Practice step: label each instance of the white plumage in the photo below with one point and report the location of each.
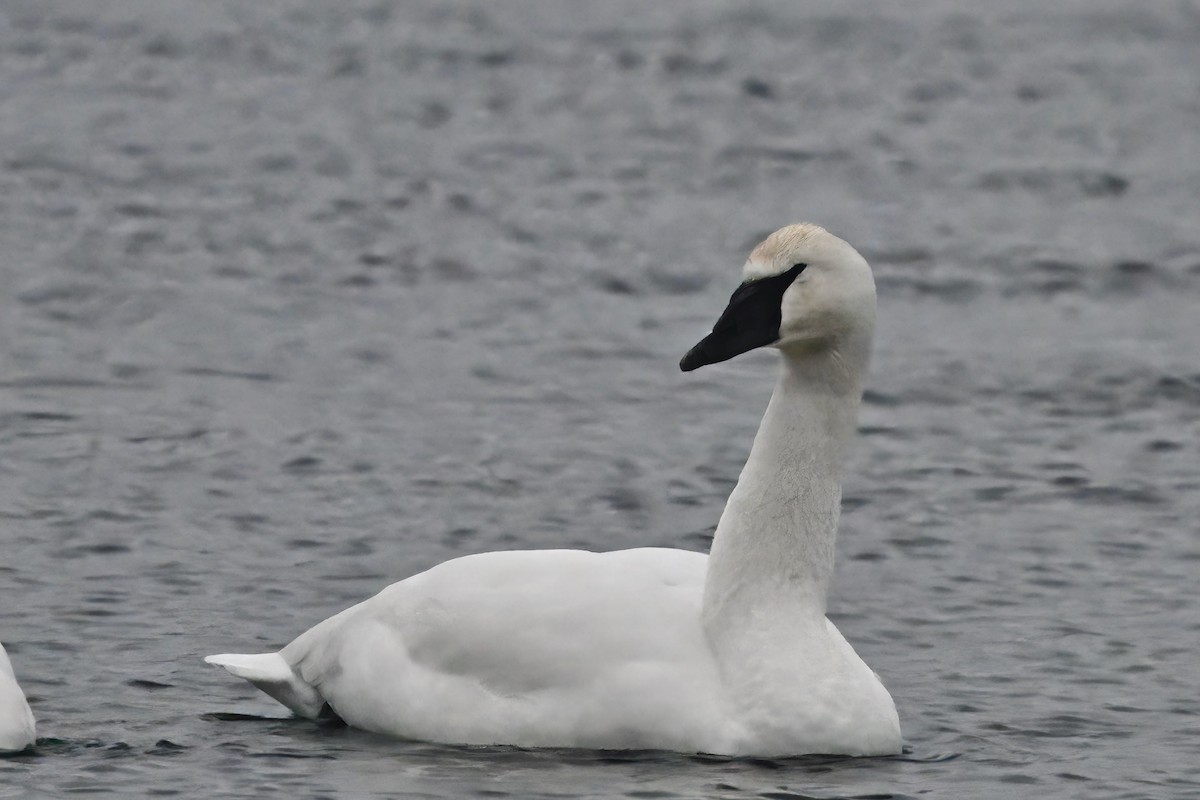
(16, 720)
(728, 653)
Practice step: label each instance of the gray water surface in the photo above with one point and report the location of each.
(300, 298)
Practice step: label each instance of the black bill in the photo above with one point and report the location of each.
(750, 320)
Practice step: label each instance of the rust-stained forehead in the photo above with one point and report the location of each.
(785, 240)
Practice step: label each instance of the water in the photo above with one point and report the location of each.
(301, 298)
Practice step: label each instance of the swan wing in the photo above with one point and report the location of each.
(561, 647)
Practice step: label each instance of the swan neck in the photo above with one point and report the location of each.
(773, 553)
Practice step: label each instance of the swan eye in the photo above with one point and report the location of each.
(799, 268)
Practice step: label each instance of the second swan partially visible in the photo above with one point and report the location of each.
(729, 653)
(17, 730)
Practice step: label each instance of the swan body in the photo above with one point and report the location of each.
(17, 730)
(729, 653)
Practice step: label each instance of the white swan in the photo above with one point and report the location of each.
(728, 653)
(16, 720)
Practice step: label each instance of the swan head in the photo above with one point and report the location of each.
(803, 290)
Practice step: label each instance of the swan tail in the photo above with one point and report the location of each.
(271, 673)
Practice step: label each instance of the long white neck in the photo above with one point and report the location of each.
(772, 557)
